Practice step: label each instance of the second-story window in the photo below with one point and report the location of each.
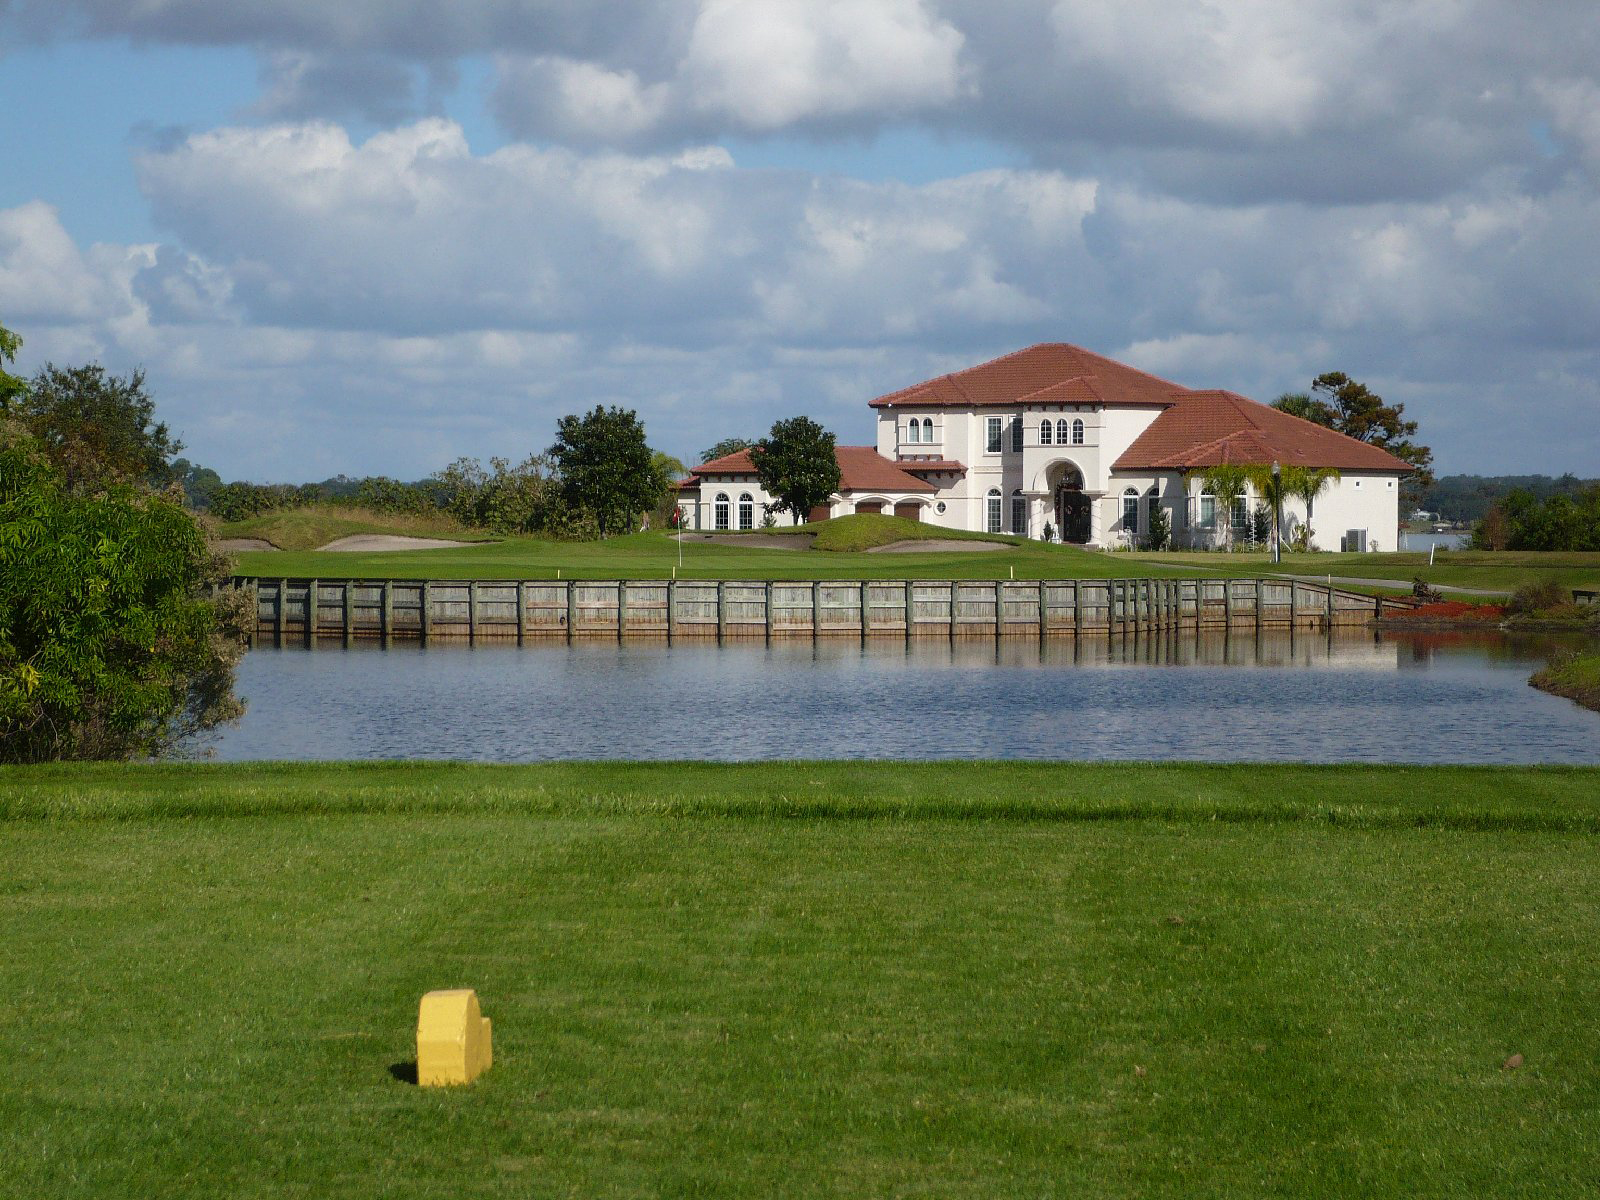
(1077, 433)
(927, 429)
(1044, 432)
(992, 430)
(914, 431)
(1016, 435)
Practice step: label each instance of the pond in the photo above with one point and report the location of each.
(1350, 696)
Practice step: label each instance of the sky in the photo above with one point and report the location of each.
(373, 236)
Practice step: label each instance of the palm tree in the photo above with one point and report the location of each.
(1272, 484)
(1307, 483)
(1226, 483)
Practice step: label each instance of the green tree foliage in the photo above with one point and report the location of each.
(11, 387)
(1159, 536)
(796, 463)
(236, 501)
(504, 498)
(606, 468)
(1521, 521)
(96, 427)
(109, 647)
(197, 482)
(1306, 484)
(1226, 483)
(1355, 410)
(1469, 497)
(726, 446)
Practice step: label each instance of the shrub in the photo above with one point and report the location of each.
(109, 647)
(1539, 596)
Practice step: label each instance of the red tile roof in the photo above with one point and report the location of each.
(1212, 428)
(861, 469)
(1049, 373)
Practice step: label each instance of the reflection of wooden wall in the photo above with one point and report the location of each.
(737, 608)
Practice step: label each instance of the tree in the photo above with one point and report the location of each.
(1227, 484)
(1355, 410)
(1307, 483)
(797, 464)
(109, 646)
(1159, 535)
(97, 428)
(11, 387)
(726, 446)
(198, 483)
(606, 467)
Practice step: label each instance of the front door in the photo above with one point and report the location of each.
(1072, 515)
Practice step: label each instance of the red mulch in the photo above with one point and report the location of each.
(1455, 610)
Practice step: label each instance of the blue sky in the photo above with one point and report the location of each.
(367, 238)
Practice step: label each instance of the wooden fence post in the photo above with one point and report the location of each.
(311, 612)
(622, 606)
(385, 611)
(349, 610)
(866, 611)
(911, 609)
(522, 612)
(722, 609)
(472, 611)
(767, 608)
(427, 610)
(816, 609)
(277, 610)
(672, 609)
(572, 610)
(999, 609)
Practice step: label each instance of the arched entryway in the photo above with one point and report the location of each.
(1073, 508)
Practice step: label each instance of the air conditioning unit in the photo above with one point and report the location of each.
(1354, 542)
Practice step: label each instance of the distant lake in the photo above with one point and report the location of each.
(1314, 698)
(1444, 541)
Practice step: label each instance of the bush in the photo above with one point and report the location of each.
(1160, 533)
(1539, 596)
(109, 647)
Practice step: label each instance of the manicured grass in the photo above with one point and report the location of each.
(1498, 570)
(318, 524)
(655, 556)
(803, 979)
(1577, 678)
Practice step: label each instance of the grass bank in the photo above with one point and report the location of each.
(1012, 979)
(301, 529)
(1577, 678)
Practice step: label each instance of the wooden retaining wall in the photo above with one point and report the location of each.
(517, 610)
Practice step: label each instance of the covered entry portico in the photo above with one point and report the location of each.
(1065, 504)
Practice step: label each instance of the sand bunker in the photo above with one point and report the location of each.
(368, 542)
(937, 545)
(234, 545)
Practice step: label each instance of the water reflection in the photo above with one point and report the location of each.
(1353, 695)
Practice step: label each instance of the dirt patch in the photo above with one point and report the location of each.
(234, 545)
(368, 542)
(937, 545)
(765, 541)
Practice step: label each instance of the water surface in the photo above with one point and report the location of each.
(1353, 696)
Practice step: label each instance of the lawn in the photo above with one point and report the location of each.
(841, 552)
(803, 980)
(306, 528)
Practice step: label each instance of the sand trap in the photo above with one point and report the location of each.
(937, 545)
(765, 541)
(368, 542)
(234, 545)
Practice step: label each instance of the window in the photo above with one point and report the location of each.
(992, 436)
(927, 429)
(1241, 516)
(1130, 510)
(914, 431)
(1016, 435)
(993, 523)
(721, 510)
(1019, 512)
(1208, 511)
(1062, 434)
(1044, 433)
(939, 507)
(1077, 432)
(747, 512)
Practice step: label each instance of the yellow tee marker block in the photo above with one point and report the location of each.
(453, 1038)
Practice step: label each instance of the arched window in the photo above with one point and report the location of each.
(720, 508)
(1077, 433)
(1019, 512)
(747, 512)
(914, 431)
(927, 429)
(1130, 510)
(993, 522)
(1062, 434)
(1044, 432)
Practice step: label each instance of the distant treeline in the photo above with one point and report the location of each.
(1468, 498)
(1523, 521)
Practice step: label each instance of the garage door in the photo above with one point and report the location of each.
(912, 511)
(820, 513)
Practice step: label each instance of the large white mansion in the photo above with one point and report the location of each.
(1055, 441)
